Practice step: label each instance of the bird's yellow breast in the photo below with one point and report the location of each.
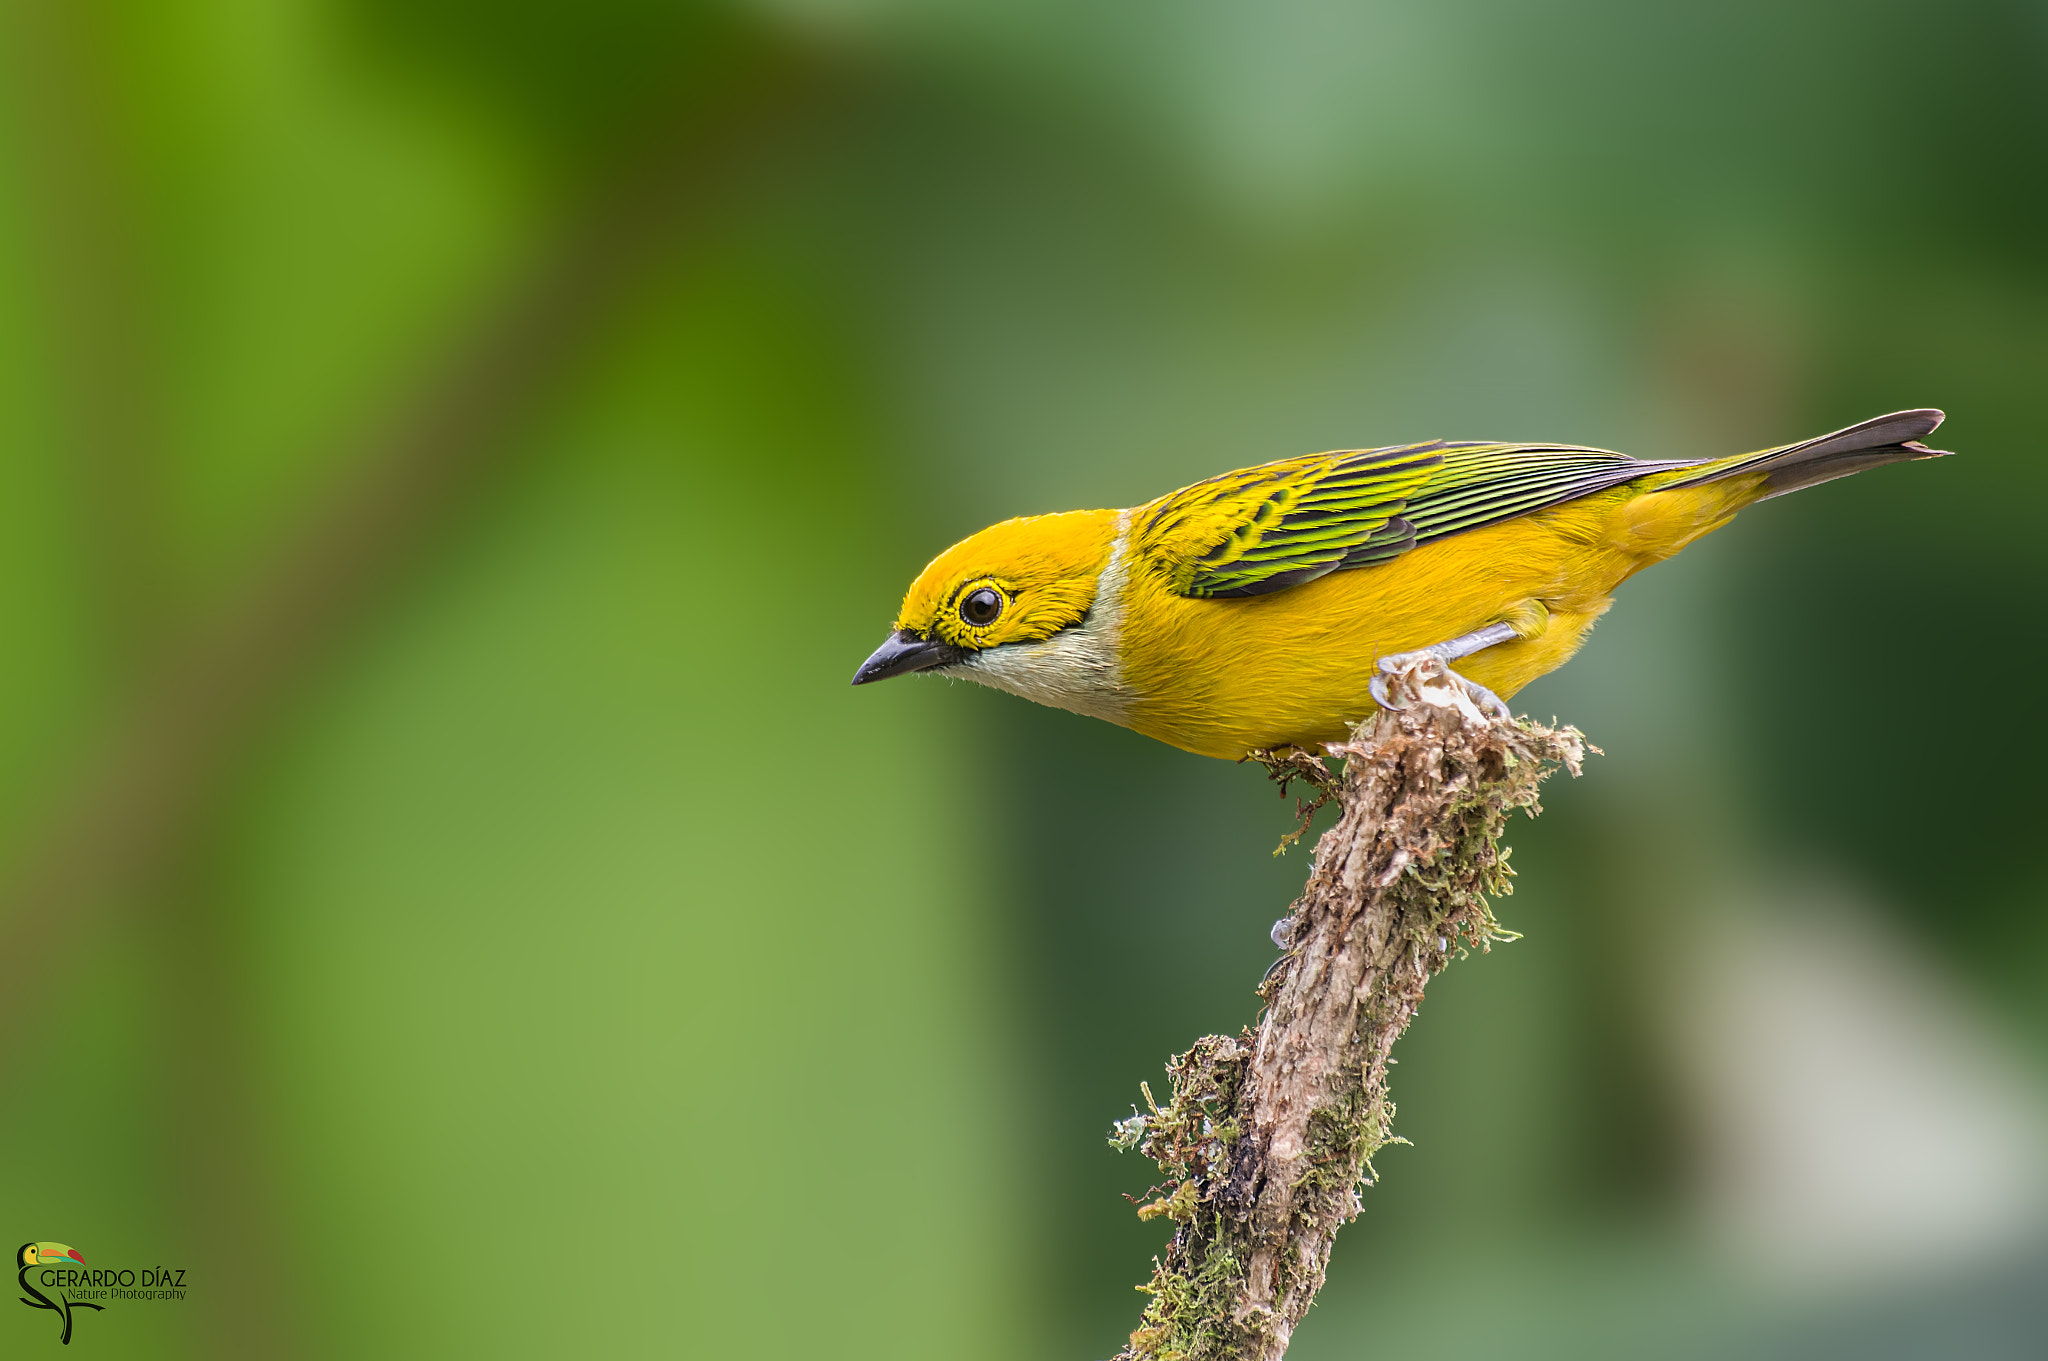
(1224, 677)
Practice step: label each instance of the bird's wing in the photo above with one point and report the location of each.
(1282, 524)
(1483, 484)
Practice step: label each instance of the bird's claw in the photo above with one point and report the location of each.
(1378, 686)
(1490, 704)
(1484, 700)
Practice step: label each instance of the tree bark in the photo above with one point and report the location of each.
(1268, 1135)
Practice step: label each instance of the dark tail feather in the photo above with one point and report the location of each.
(1888, 439)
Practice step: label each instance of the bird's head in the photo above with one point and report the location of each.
(1013, 584)
(41, 1254)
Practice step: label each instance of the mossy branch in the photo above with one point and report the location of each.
(1268, 1136)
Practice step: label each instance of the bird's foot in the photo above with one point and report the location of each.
(1428, 676)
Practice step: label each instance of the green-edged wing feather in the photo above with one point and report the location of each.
(1281, 524)
(1483, 484)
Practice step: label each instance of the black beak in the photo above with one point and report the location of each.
(903, 653)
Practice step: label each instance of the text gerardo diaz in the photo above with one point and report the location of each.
(109, 1283)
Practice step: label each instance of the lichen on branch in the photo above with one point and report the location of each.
(1268, 1135)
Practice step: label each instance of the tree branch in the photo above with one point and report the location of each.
(1268, 1135)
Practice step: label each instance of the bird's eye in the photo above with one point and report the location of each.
(981, 608)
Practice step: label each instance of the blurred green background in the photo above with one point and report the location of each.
(453, 455)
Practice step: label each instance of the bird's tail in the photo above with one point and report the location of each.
(1888, 439)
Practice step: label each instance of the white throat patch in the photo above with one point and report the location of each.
(1077, 667)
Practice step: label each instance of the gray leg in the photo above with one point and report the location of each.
(1466, 644)
(1447, 652)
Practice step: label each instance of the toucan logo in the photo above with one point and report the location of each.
(32, 1255)
(55, 1277)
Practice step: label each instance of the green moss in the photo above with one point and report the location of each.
(1191, 1139)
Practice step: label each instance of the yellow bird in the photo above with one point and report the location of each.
(1256, 611)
